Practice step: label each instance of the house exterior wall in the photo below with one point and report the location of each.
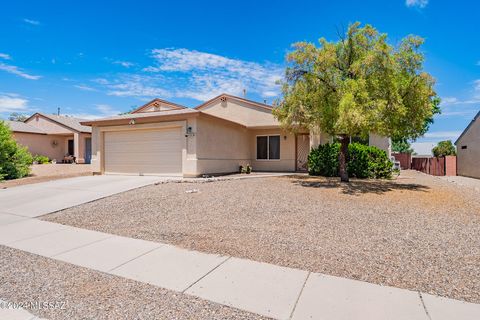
(221, 146)
(468, 159)
(241, 112)
(41, 144)
(381, 142)
(287, 151)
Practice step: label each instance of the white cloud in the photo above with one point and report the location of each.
(32, 22)
(205, 75)
(17, 71)
(104, 110)
(423, 148)
(84, 87)
(183, 73)
(12, 103)
(443, 135)
(135, 86)
(126, 64)
(416, 3)
(5, 56)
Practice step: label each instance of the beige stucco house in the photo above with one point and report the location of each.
(218, 136)
(468, 150)
(54, 136)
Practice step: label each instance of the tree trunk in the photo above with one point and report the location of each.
(342, 158)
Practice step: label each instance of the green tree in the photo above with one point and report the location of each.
(15, 116)
(444, 148)
(15, 160)
(401, 146)
(357, 86)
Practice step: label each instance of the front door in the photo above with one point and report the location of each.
(303, 149)
(88, 150)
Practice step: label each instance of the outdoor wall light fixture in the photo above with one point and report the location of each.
(284, 137)
(189, 132)
(132, 122)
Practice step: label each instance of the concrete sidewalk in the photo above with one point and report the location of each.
(41, 198)
(265, 289)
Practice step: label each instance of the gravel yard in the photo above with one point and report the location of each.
(48, 172)
(418, 232)
(89, 294)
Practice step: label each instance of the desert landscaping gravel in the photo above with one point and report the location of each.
(81, 293)
(417, 232)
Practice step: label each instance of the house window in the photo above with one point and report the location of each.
(464, 147)
(268, 147)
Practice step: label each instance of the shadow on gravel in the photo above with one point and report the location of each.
(357, 187)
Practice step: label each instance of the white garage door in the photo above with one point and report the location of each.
(149, 152)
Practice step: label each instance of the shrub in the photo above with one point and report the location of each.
(15, 160)
(323, 161)
(41, 159)
(363, 161)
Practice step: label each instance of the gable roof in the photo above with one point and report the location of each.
(141, 115)
(18, 126)
(157, 101)
(224, 95)
(468, 127)
(69, 122)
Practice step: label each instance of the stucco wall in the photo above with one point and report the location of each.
(380, 142)
(41, 144)
(287, 151)
(241, 112)
(221, 146)
(468, 160)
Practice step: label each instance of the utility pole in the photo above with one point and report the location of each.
(58, 111)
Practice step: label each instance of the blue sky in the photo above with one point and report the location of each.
(98, 58)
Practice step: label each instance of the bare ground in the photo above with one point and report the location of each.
(417, 232)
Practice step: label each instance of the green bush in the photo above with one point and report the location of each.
(15, 160)
(363, 161)
(41, 159)
(323, 161)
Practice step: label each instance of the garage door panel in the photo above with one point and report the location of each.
(144, 151)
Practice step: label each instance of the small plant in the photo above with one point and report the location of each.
(240, 169)
(39, 159)
(247, 169)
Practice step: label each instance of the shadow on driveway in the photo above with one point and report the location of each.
(357, 186)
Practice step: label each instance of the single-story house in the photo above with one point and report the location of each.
(54, 136)
(218, 136)
(468, 150)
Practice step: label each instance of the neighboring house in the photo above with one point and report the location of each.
(163, 138)
(468, 150)
(54, 136)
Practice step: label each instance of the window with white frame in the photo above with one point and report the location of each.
(268, 147)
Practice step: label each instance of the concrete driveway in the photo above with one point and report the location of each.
(41, 198)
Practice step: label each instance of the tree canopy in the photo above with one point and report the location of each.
(401, 146)
(15, 116)
(444, 148)
(358, 85)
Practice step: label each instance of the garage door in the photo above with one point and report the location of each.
(149, 152)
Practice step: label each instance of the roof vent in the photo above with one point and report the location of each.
(223, 99)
